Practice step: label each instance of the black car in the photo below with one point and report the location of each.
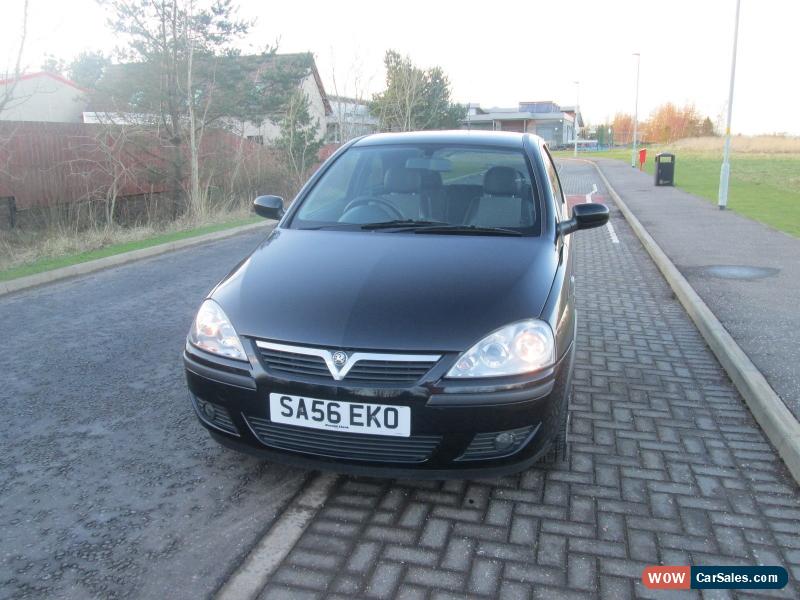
(411, 314)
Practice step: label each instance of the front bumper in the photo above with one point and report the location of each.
(453, 424)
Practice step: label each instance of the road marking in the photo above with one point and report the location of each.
(612, 233)
(252, 575)
(589, 195)
(609, 226)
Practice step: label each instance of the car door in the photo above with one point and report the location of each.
(566, 303)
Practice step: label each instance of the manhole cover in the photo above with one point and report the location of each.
(737, 271)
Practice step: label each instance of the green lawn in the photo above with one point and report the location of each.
(764, 187)
(47, 264)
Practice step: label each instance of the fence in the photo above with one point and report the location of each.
(48, 168)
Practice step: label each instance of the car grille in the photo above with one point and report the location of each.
(295, 364)
(351, 446)
(396, 370)
(384, 370)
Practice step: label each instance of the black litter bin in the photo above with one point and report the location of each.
(665, 169)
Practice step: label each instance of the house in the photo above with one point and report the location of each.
(319, 106)
(44, 97)
(117, 98)
(349, 118)
(555, 124)
(61, 145)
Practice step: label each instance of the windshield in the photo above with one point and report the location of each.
(406, 185)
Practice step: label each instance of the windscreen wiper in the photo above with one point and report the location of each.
(468, 230)
(402, 224)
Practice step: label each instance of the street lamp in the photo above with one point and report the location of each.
(577, 104)
(635, 110)
(725, 171)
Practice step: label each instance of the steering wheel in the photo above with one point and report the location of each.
(364, 200)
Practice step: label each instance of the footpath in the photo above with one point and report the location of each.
(746, 272)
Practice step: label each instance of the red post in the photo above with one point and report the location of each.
(642, 158)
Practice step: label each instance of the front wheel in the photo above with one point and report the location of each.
(559, 449)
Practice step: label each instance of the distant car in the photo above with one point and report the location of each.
(412, 313)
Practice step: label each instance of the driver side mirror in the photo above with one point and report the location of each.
(269, 207)
(584, 216)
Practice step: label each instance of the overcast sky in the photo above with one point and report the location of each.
(498, 54)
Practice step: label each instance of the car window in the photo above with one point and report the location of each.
(455, 185)
(336, 186)
(552, 175)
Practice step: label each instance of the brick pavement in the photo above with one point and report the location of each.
(666, 466)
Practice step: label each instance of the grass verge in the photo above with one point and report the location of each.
(763, 186)
(56, 262)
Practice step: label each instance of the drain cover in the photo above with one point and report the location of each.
(737, 271)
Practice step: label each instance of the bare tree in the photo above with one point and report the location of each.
(399, 107)
(415, 98)
(7, 92)
(196, 198)
(351, 108)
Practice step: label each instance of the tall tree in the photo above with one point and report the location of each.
(415, 98)
(52, 64)
(87, 68)
(185, 74)
(299, 140)
(622, 128)
(7, 90)
(669, 122)
(707, 128)
(602, 135)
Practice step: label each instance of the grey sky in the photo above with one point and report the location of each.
(499, 54)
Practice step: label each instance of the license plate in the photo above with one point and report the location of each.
(333, 415)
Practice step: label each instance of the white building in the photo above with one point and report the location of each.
(44, 97)
(556, 125)
(112, 104)
(349, 118)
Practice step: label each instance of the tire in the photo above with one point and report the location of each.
(559, 449)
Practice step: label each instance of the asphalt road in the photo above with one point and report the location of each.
(109, 488)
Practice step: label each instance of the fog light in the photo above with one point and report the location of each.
(504, 441)
(208, 410)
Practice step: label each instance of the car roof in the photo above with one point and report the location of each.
(506, 139)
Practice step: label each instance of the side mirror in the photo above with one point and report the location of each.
(584, 216)
(269, 207)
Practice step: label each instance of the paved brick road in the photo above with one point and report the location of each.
(667, 466)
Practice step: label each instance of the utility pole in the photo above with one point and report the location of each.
(577, 105)
(725, 171)
(636, 110)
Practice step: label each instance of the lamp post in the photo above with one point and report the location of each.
(635, 110)
(577, 104)
(725, 171)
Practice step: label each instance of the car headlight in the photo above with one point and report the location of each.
(515, 349)
(213, 332)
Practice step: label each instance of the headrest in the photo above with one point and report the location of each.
(501, 181)
(401, 181)
(431, 180)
